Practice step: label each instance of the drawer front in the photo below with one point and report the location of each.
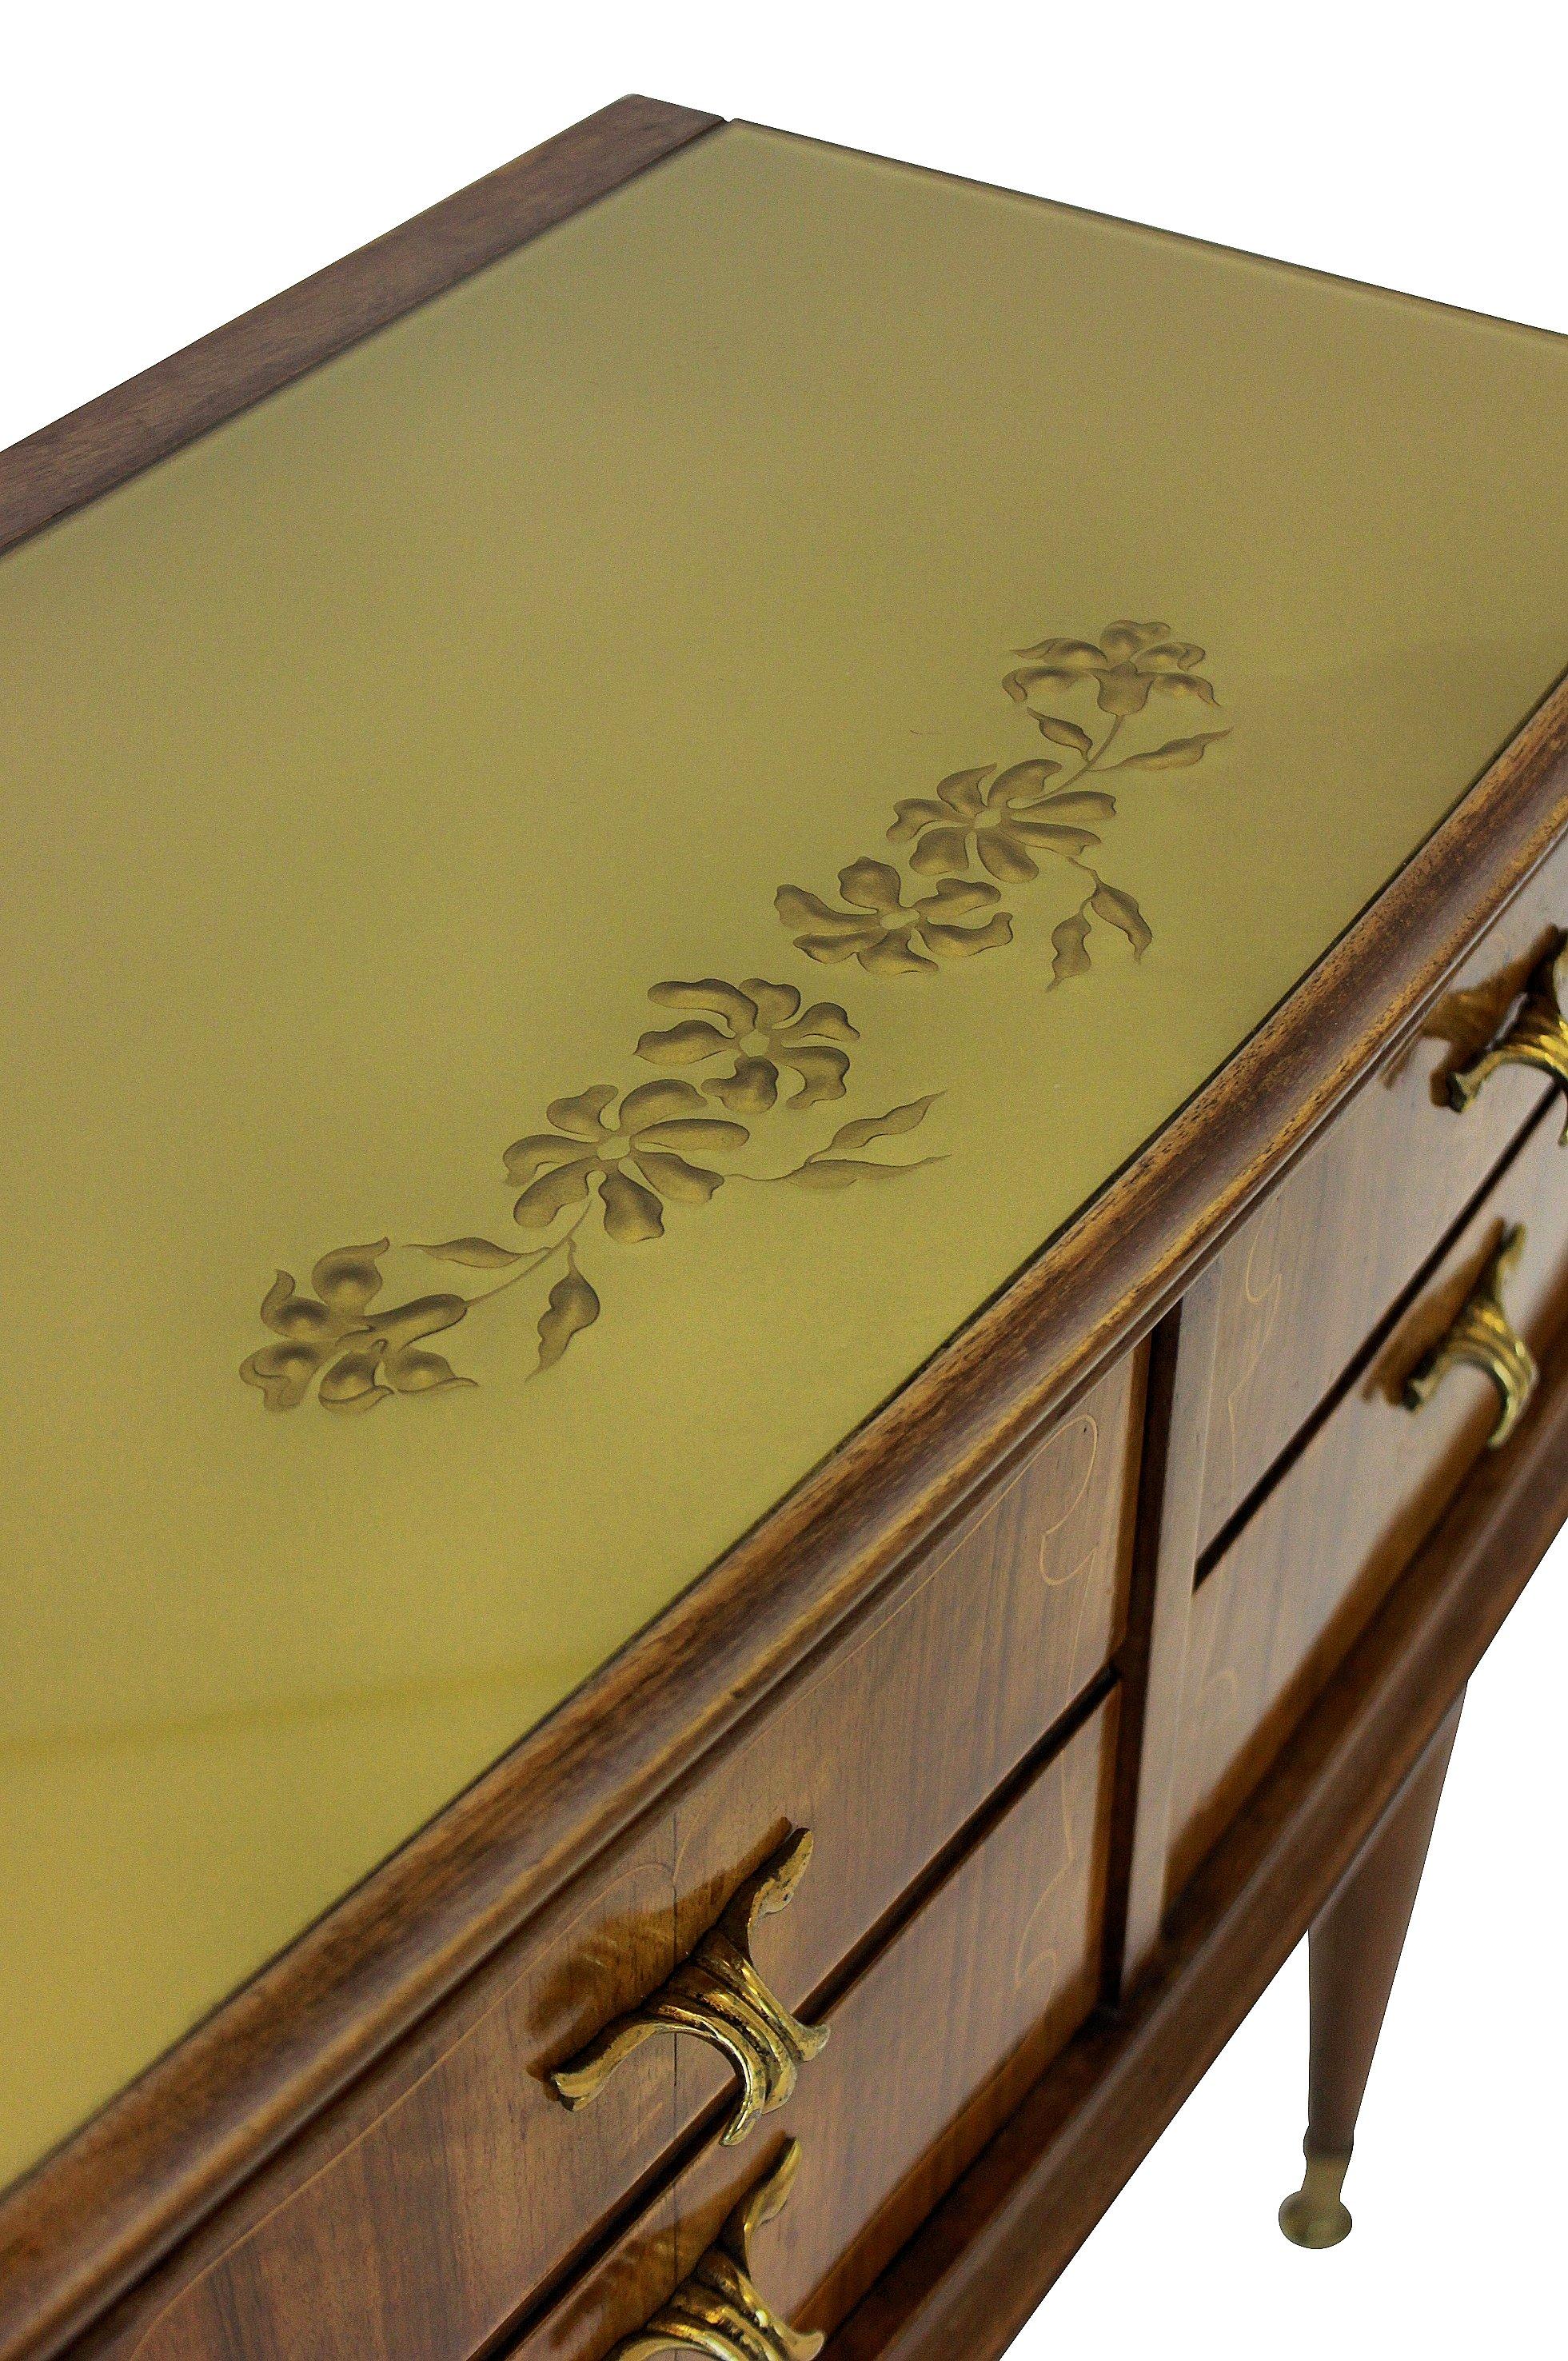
(1307, 1278)
(931, 2048)
(450, 2188)
(1306, 1572)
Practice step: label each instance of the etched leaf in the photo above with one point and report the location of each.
(282, 1373)
(953, 897)
(653, 1103)
(1123, 690)
(1070, 655)
(683, 1044)
(870, 885)
(751, 1088)
(1064, 733)
(1119, 910)
(831, 948)
(632, 1214)
(348, 1279)
(706, 1132)
(796, 907)
(1175, 754)
(711, 992)
(573, 1306)
(821, 1072)
(1073, 842)
(1074, 803)
(672, 1177)
(775, 1003)
(526, 1157)
(409, 1371)
(914, 812)
(580, 1115)
(961, 942)
(475, 1253)
(1125, 639)
(831, 1172)
(350, 1383)
(823, 1021)
(960, 790)
(1021, 780)
(867, 1127)
(1070, 944)
(298, 1317)
(1006, 858)
(941, 852)
(543, 1199)
(892, 955)
(1186, 683)
(424, 1317)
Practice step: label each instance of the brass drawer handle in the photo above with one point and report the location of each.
(1483, 1334)
(1537, 1036)
(718, 1996)
(716, 2308)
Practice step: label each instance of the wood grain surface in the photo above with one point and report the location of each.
(1304, 1576)
(421, 2217)
(1300, 1286)
(970, 2279)
(909, 2087)
(500, 1865)
(100, 2212)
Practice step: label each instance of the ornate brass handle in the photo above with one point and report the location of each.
(716, 2308)
(717, 1996)
(1537, 1036)
(1482, 1333)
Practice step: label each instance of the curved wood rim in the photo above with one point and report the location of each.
(98, 2213)
(89, 450)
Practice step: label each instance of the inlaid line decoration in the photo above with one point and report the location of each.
(746, 1068)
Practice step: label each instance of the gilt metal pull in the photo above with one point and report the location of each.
(717, 1996)
(716, 2310)
(1537, 1036)
(1482, 1334)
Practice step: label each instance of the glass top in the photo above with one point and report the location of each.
(582, 886)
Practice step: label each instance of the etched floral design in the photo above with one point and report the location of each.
(881, 931)
(830, 1168)
(760, 1026)
(656, 1127)
(637, 1148)
(1005, 817)
(1129, 660)
(359, 1356)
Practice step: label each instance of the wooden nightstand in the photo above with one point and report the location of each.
(787, 1317)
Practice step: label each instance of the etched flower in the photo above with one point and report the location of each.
(1129, 660)
(361, 1356)
(879, 931)
(762, 1026)
(999, 823)
(656, 1126)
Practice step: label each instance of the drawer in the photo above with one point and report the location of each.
(1307, 1277)
(910, 2086)
(455, 2169)
(1308, 1570)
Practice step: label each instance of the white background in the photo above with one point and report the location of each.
(163, 167)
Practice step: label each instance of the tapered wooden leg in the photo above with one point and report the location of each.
(1354, 1950)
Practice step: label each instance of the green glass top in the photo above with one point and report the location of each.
(814, 704)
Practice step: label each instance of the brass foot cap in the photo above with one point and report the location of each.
(1315, 2216)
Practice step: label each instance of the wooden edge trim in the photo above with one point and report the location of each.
(982, 2261)
(110, 2202)
(108, 440)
